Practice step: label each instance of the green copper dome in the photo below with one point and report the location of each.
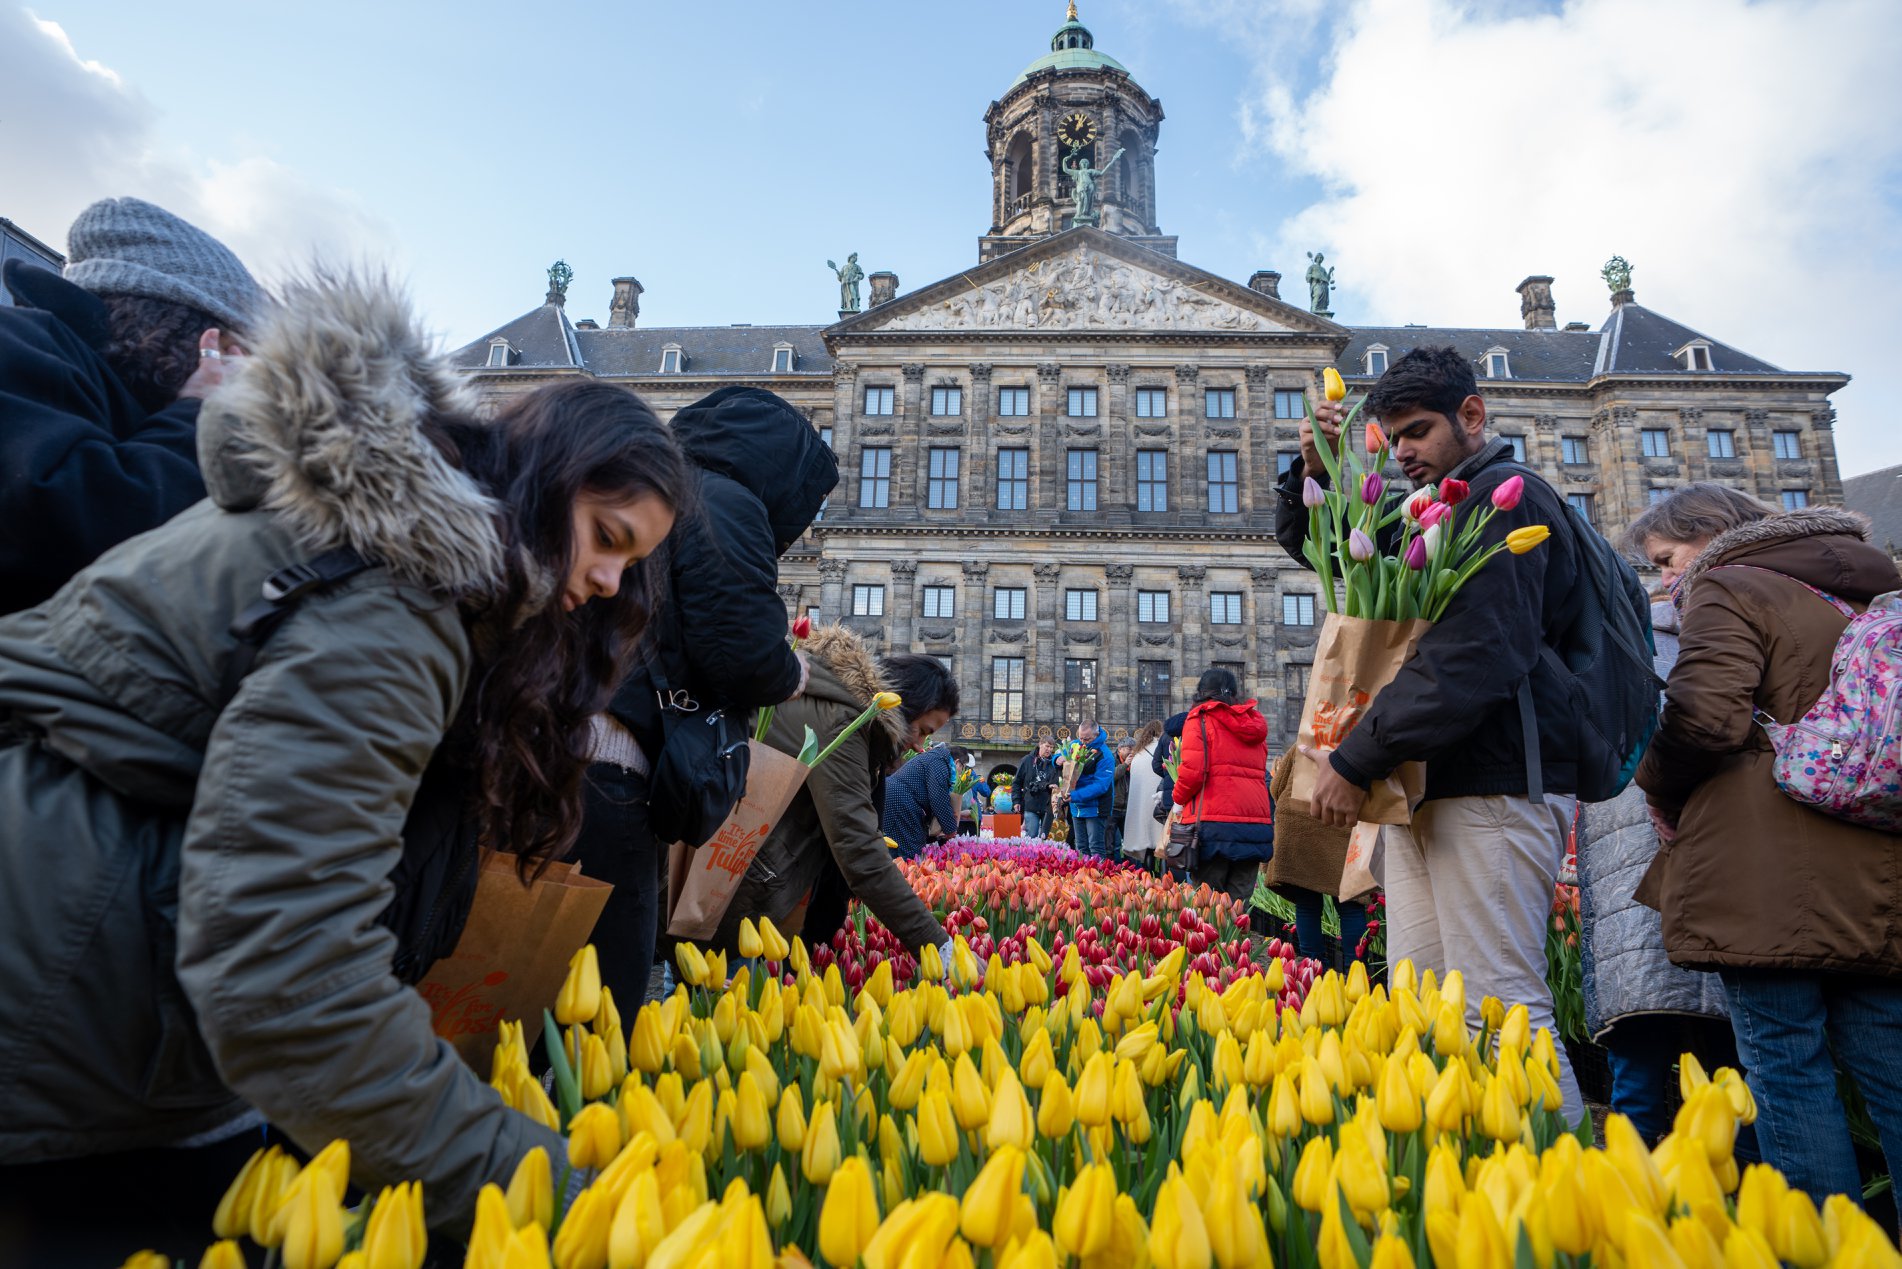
(1071, 48)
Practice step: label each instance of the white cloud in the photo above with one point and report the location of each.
(73, 131)
(1743, 154)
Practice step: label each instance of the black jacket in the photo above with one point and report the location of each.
(1036, 779)
(1454, 704)
(762, 473)
(84, 464)
(1171, 733)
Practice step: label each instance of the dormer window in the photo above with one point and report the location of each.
(499, 351)
(782, 359)
(1694, 355)
(670, 359)
(1376, 360)
(1497, 364)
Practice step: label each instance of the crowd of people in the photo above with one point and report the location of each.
(294, 635)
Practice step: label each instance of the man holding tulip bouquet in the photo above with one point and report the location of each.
(1471, 887)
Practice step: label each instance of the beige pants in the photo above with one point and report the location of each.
(1470, 888)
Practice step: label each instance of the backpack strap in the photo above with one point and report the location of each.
(282, 592)
(1823, 595)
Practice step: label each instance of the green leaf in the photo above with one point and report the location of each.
(809, 751)
(567, 1088)
(1522, 1257)
(1356, 1237)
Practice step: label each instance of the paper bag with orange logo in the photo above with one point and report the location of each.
(1354, 659)
(701, 883)
(513, 953)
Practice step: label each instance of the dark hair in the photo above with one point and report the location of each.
(1695, 513)
(1217, 684)
(922, 683)
(960, 755)
(544, 672)
(1435, 379)
(152, 345)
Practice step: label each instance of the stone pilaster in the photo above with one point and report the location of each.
(1116, 675)
(1047, 490)
(903, 609)
(1263, 580)
(976, 659)
(1195, 619)
(832, 591)
(1256, 415)
(976, 492)
(1116, 467)
(908, 456)
(789, 594)
(1044, 655)
(845, 413)
(1829, 488)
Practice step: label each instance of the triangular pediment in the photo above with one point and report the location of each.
(1087, 280)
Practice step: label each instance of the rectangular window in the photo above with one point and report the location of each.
(1007, 603)
(1290, 405)
(1152, 690)
(1082, 480)
(1788, 444)
(875, 476)
(1079, 690)
(1655, 442)
(1496, 366)
(1376, 361)
(1284, 461)
(1082, 403)
(498, 354)
(1079, 605)
(1218, 403)
(868, 601)
(1297, 610)
(1152, 480)
(1225, 608)
(670, 361)
(1013, 403)
(1294, 695)
(812, 614)
(1152, 606)
(782, 361)
(940, 601)
(942, 491)
(1518, 444)
(825, 437)
(1575, 449)
(1795, 499)
(1152, 403)
(1224, 488)
(1582, 503)
(1013, 479)
(1007, 689)
(1722, 444)
(878, 400)
(947, 400)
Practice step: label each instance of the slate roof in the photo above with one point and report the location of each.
(1530, 354)
(1878, 495)
(544, 337)
(1639, 341)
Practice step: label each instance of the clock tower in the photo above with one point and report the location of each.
(1072, 142)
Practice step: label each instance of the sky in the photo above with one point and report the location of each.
(1744, 155)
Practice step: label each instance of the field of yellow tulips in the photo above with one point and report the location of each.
(769, 1118)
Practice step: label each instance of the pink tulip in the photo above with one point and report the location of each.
(1360, 546)
(1507, 496)
(1370, 488)
(1434, 514)
(1417, 554)
(1311, 495)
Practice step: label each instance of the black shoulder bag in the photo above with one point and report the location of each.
(700, 775)
(1185, 840)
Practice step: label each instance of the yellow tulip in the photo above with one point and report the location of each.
(1332, 386)
(969, 1096)
(223, 1254)
(887, 700)
(1331, 1248)
(1084, 1218)
(819, 1155)
(985, 1216)
(745, 1243)
(695, 1125)
(1235, 1231)
(748, 941)
(1178, 1236)
(1312, 1176)
(1626, 1151)
(1361, 1175)
(1747, 1249)
(1799, 1237)
(1093, 1091)
(752, 1125)
(1399, 1105)
(1445, 1186)
(1317, 1095)
(849, 1217)
(1499, 1112)
(233, 1217)
(1284, 1107)
(580, 997)
(396, 1236)
(778, 1199)
(531, 1192)
(639, 1223)
(1648, 1245)
(489, 1236)
(1708, 1119)
(937, 1130)
(1011, 1121)
(1519, 541)
(1390, 1252)
(1760, 1199)
(1481, 1244)
(582, 1240)
(313, 1224)
(792, 1119)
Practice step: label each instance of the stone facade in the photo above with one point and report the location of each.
(1057, 469)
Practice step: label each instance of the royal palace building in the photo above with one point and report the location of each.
(1057, 468)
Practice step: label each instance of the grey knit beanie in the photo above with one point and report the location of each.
(127, 246)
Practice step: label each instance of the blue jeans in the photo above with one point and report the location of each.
(1643, 1052)
(1308, 938)
(1033, 824)
(1089, 835)
(1786, 1023)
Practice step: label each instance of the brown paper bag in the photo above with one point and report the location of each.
(1357, 874)
(1354, 659)
(701, 882)
(513, 954)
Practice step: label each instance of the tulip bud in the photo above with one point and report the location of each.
(1312, 495)
(585, 1229)
(989, 1202)
(1055, 1110)
(937, 1130)
(749, 940)
(1311, 1175)
(887, 700)
(1376, 439)
(1433, 514)
(594, 1136)
(313, 1224)
(1519, 541)
(1418, 501)
(819, 1155)
(849, 1217)
(580, 997)
(1416, 557)
(802, 628)
(1371, 486)
(223, 1254)
(1507, 496)
(1360, 546)
(1333, 387)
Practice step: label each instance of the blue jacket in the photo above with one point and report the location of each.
(916, 794)
(1091, 797)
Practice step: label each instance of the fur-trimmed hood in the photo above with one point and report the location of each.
(856, 673)
(321, 424)
(1775, 531)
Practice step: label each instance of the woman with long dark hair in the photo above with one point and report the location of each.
(213, 747)
(1222, 788)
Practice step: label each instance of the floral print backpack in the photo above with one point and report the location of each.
(1844, 757)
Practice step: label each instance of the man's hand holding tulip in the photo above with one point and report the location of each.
(1327, 416)
(1336, 801)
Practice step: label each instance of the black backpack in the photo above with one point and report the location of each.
(700, 774)
(1603, 663)
(435, 880)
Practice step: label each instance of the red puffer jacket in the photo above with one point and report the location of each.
(1230, 772)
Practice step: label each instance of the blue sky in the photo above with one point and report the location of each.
(1438, 150)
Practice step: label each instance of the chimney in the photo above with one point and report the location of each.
(884, 286)
(627, 304)
(1535, 303)
(1267, 281)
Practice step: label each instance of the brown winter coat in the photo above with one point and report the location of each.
(1753, 879)
(1308, 853)
(831, 831)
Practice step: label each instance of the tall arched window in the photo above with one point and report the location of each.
(1023, 176)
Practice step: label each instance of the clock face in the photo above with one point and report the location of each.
(1076, 130)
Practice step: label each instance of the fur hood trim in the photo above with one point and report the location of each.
(846, 655)
(1807, 523)
(321, 424)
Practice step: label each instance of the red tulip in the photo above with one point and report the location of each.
(1453, 492)
(802, 628)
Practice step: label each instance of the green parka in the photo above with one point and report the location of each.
(188, 936)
